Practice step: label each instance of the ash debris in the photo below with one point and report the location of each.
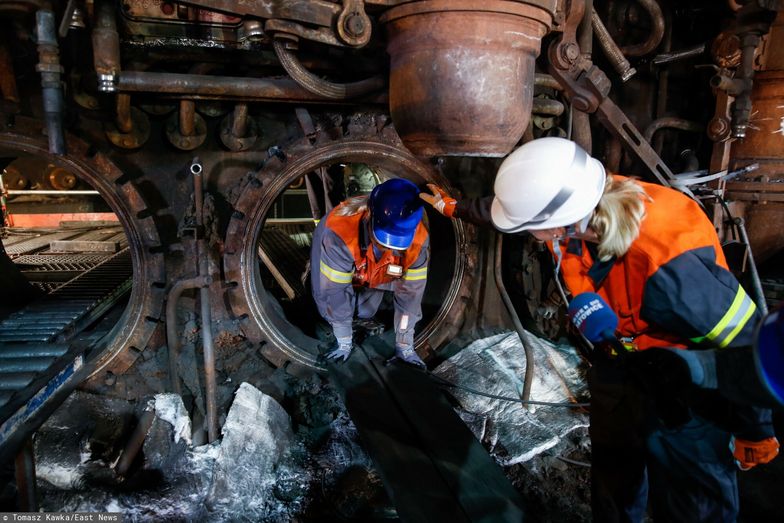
(289, 451)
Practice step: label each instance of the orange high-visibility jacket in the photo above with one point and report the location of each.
(369, 271)
(672, 287)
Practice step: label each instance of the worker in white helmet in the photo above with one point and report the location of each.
(655, 258)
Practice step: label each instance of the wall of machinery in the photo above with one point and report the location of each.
(217, 131)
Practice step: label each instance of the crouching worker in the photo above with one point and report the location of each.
(365, 246)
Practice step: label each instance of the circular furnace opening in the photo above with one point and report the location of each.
(110, 265)
(72, 264)
(268, 246)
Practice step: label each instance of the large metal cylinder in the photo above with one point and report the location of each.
(763, 144)
(462, 73)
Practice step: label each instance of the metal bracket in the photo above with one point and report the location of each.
(588, 88)
(354, 25)
(346, 25)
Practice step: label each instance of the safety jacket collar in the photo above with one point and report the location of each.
(370, 268)
(599, 269)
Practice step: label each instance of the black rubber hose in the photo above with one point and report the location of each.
(529, 356)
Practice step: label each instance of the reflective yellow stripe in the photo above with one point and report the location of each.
(740, 326)
(733, 320)
(736, 303)
(333, 275)
(416, 274)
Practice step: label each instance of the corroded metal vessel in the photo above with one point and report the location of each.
(462, 73)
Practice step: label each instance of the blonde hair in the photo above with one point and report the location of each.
(617, 217)
(352, 206)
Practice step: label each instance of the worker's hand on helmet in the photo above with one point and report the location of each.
(749, 454)
(440, 200)
(341, 351)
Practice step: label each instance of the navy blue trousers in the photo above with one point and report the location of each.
(685, 471)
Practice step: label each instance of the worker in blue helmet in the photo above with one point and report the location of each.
(365, 246)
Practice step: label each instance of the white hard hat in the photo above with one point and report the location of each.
(546, 183)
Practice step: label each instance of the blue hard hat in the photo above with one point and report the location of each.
(769, 353)
(395, 213)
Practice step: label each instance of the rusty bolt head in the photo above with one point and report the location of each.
(570, 52)
(354, 25)
(167, 8)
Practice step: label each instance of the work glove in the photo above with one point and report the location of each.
(342, 351)
(440, 200)
(409, 355)
(749, 454)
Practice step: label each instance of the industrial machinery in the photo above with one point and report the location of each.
(213, 133)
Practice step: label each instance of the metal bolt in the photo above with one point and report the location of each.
(627, 72)
(570, 52)
(354, 25)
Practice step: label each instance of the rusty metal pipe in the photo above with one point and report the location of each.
(221, 87)
(611, 49)
(585, 31)
(187, 117)
(671, 122)
(123, 120)
(657, 30)
(172, 339)
(580, 124)
(8, 88)
(545, 80)
(209, 358)
(741, 108)
(208, 347)
(239, 120)
(547, 106)
(319, 86)
(134, 444)
(51, 85)
(581, 130)
(106, 45)
(529, 356)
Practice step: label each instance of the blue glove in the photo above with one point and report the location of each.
(343, 350)
(409, 355)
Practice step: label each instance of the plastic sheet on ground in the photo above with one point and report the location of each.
(496, 365)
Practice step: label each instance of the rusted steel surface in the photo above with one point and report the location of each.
(318, 12)
(219, 87)
(462, 73)
(764, 144)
